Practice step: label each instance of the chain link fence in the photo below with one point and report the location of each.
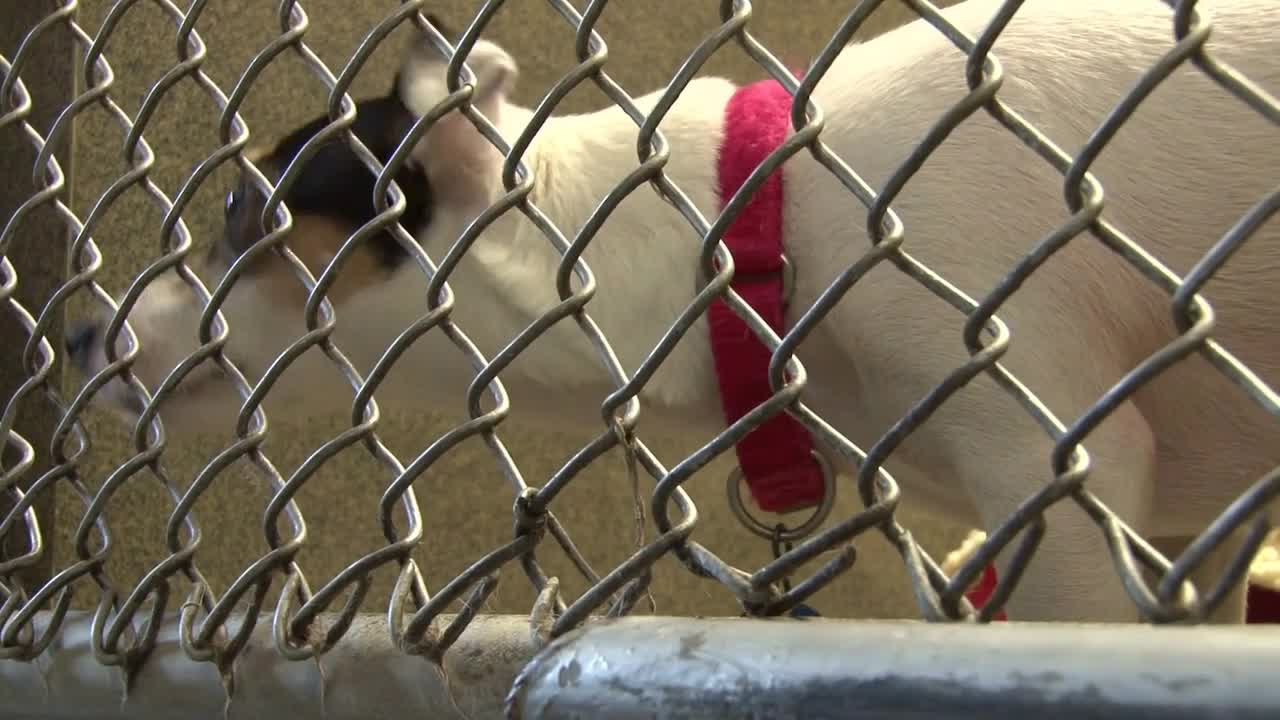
(273, 604)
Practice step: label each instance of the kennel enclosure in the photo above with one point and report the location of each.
(270, 639)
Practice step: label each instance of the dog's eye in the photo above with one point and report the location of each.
(230, 206)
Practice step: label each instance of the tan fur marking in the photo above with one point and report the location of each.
(315, 240)
(256, 153)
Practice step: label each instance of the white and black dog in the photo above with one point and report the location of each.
(1178, 176)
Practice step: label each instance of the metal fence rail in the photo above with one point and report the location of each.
(307, 622)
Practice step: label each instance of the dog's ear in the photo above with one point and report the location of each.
(460, 163)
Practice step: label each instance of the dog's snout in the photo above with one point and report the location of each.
(80, 339)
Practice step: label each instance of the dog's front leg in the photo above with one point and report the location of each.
(1206, 575)
(1072, 576)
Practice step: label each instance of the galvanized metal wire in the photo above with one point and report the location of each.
(414, 610)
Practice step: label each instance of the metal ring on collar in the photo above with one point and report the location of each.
(771, 532)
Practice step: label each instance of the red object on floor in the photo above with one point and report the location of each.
(1264, 604)
(980, 593)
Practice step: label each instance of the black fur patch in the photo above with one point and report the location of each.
(337, 185)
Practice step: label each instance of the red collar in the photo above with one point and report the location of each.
(775, 458)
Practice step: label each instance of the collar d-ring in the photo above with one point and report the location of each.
(788, 534)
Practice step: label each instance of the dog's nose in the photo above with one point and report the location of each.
(79, 339)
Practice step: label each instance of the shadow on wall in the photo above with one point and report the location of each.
(465, 502)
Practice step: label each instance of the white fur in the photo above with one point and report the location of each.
(1183, 171)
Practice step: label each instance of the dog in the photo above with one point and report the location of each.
(1179, 175)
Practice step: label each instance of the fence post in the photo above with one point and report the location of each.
(735, 669)
(39, 253)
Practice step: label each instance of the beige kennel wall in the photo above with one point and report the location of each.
(465, 503)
